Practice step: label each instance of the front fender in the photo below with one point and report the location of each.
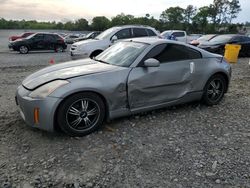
(110, 85)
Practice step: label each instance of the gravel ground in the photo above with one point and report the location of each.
(188, 145)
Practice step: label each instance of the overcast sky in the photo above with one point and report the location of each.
(63, 10)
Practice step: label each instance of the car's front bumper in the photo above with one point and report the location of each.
(46, 109)
(10, 45)
(76, 55)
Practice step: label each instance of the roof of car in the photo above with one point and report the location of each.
(148, 40)
(142, 26)
(153, 40)
(173, 31)
(47, 33)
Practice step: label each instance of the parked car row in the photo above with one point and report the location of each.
(95, 42)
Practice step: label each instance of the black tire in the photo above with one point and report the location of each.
(214, 90)
(23, 49)
(95, 53)
(59, 49)
(75, 119)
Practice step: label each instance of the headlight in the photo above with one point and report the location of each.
(47, 89)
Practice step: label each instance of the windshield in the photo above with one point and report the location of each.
(106, 33)
(122, 53)
(88, 35)
(221, 39)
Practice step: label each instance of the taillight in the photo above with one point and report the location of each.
(61, 40)
(224, 59)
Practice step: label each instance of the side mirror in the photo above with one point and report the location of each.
(114, 38)
(151, 62)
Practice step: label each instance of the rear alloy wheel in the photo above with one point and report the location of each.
(214, 90)
(23, 49)
(81, 114)
(59, 49)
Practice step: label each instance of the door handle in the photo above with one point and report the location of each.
(192, 67)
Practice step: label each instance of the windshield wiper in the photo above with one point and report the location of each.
(99, 60)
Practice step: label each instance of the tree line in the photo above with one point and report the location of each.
(214, 18)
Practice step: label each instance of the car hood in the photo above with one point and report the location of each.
(208, 44)
(88, 41)
(20, 40)
(15, 37)
(64, 71)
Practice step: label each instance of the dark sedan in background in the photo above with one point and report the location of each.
(39, 41)
(217, 44)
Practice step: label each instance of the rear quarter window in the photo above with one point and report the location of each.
(49, 37)
(139, 32)
(151, 33)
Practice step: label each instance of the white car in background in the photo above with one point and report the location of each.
(180, 35)
(93, 47)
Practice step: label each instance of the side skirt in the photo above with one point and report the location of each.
(192, 96)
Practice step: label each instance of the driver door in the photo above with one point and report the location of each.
(38, 42)
(149, 86)
(122, 34)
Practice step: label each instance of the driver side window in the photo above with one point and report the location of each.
(165, 53)
(123, 34)
(38, 37)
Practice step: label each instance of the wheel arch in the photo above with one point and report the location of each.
(225, 76)
(27, 45)
(95, 52)
(106, 115)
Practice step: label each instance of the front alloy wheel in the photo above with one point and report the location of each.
(81, 114)
(214, 90)
(23, 49)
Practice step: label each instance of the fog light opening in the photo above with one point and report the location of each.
(36, 115)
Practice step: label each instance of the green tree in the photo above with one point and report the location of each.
(234, 9)
(173, 16)
(100, 23)
(81, 25)
(200, 20)
(69, 25)
(122, 19)
(59, 25)
(189, 13)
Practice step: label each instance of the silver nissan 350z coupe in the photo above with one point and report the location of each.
(131, 76)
